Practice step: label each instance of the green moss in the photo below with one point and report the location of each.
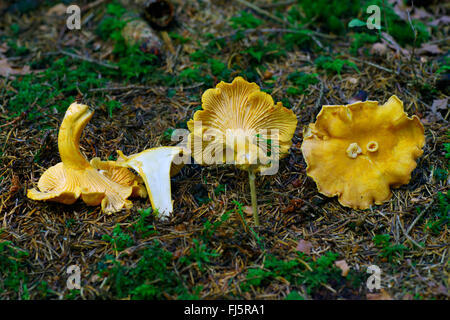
(245, 20)
(13, 278)
(151, 277)
(295, 271)
(142, 226)
(179, 38)
(53, 89)
(388, 250)
(219, 69)
(331, 65)
(331, 15)
(440, 174)
(197, 73)
(261, 52)
(302, 81)
(200, 254)
(301, 38)
(118, 239)
(440, 214)
(294, 295)
(16, 49)
(210, 228)
(359, 39)
(443, 68)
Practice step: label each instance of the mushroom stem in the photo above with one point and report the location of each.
(251, 179)
(372, 146)
(76, 118)
(353, 150)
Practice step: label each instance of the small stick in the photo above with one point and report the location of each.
(193, 86)
(21, 116)
(261, 11)
(92, 5)
(121, 88)
(424, 103)
(406, 235)
(279, 4)
(418, 217)
(75, 56)
(372, 64)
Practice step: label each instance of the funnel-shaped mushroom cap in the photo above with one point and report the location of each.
(155, 166)
(240, 124)
(96, 182)
(358, 151)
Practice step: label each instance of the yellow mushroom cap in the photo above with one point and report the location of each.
(96, 182)
(238, 116)
(358, 151)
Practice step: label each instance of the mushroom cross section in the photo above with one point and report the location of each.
(156, 166)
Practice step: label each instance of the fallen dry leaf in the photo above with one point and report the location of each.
(6, 69)
(440, 104)
(400, 10)
(248, 210)
(304, 246)
(429, 48)
(444, 20)
(420, 14)
(342, 264)
(434, 114)
(58, 10)
(382, 295)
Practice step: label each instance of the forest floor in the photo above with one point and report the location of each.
(305, 55)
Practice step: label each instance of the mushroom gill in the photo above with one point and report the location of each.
(240, 124)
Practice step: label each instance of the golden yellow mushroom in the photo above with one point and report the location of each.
(241, 125)
(358, 151)
(96, 182)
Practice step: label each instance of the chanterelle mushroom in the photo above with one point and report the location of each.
(358, 151)
(241, 125)
(155, 166)
(96, 182)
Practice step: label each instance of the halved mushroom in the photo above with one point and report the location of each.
(358, 151)
(155, 166)
(75, 177)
